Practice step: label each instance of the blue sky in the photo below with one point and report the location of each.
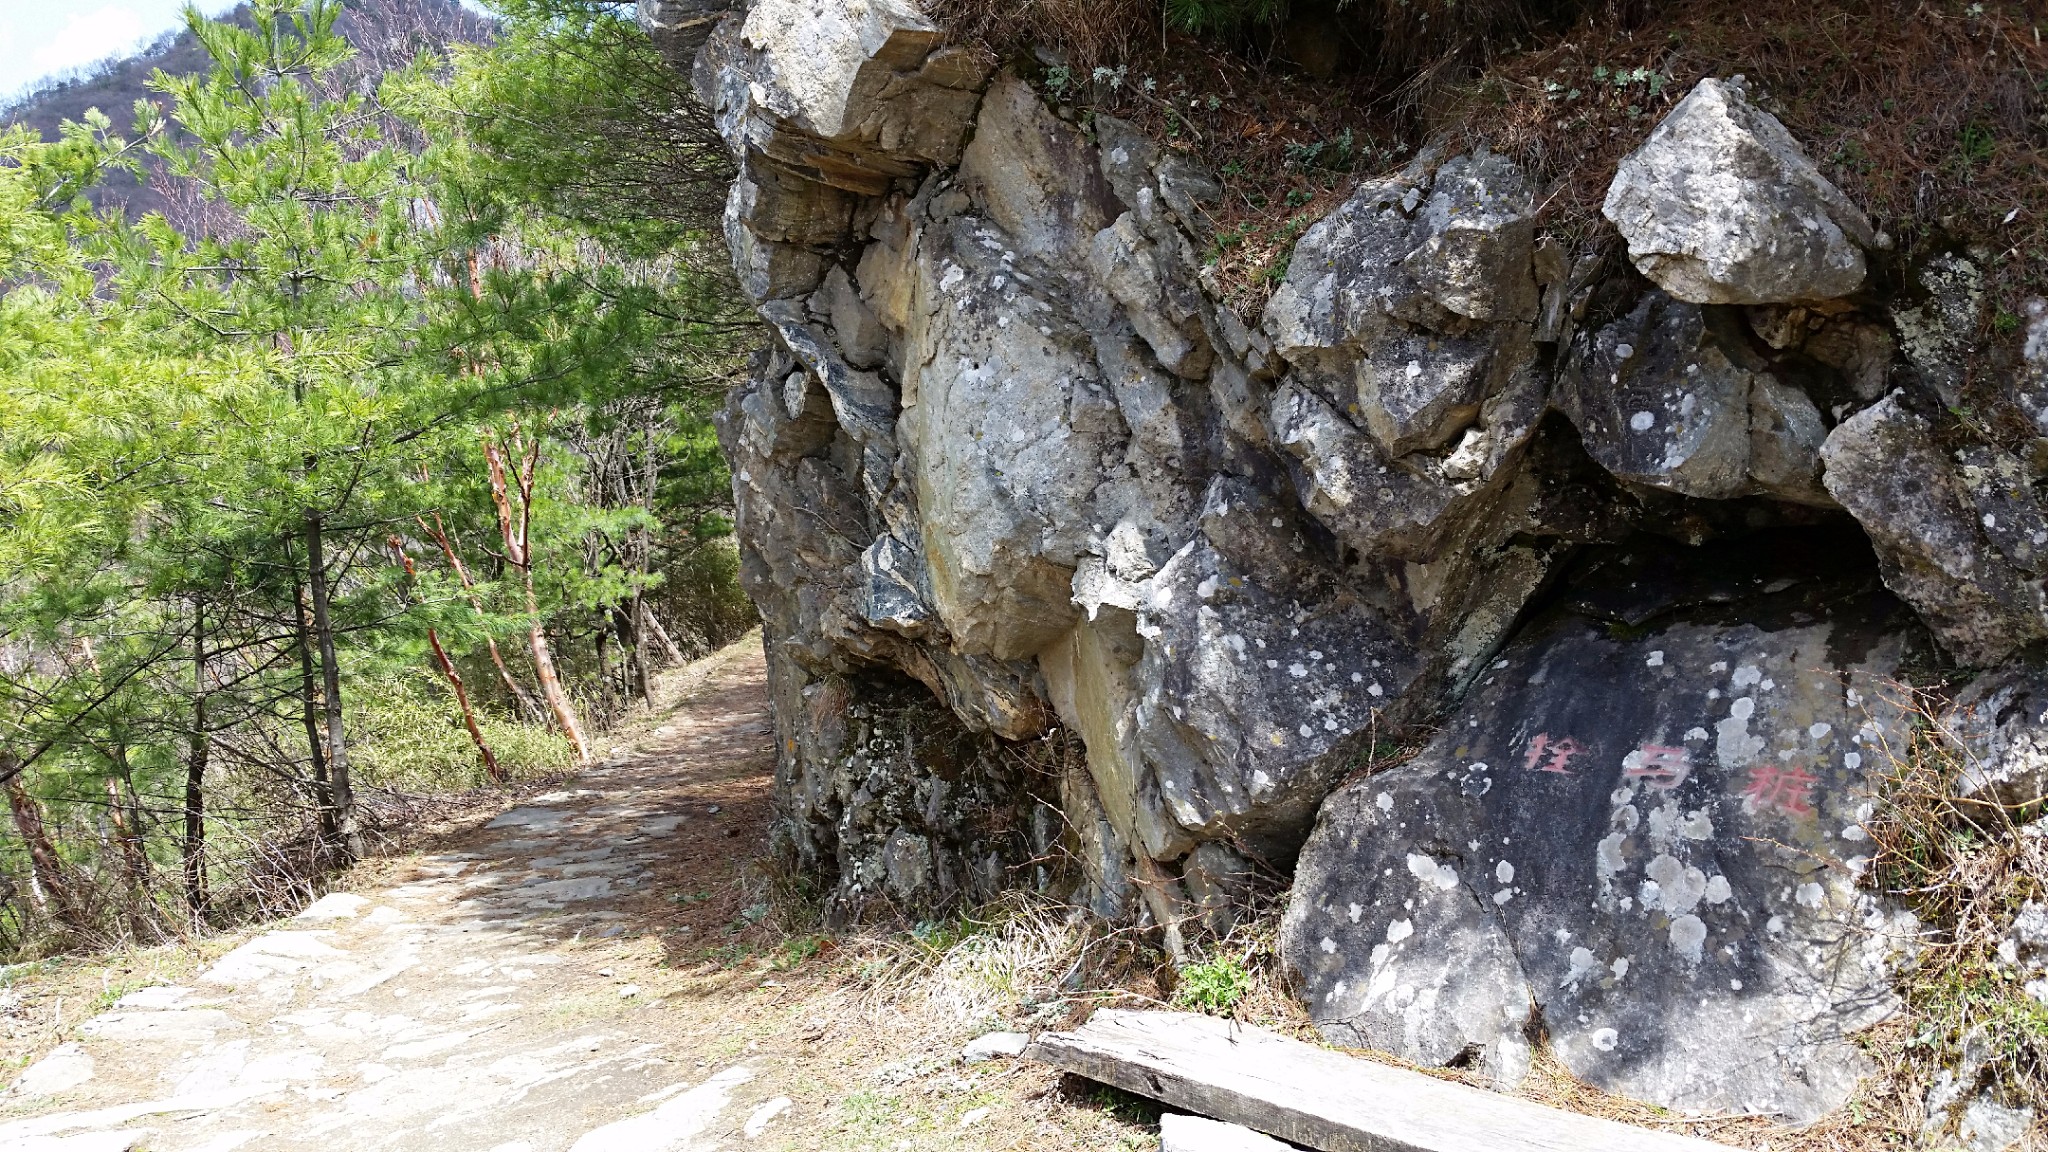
(41, 37)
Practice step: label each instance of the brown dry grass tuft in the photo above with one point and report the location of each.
(1086, 33)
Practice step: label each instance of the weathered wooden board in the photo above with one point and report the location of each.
(1321, 1099)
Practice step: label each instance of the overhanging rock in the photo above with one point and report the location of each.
(1649, 838)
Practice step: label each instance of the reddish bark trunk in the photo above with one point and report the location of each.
(447, 667)
(520, 695)
(513, 525)
(52, 884)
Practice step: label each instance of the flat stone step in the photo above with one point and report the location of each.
(1321, 1099)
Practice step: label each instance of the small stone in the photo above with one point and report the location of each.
(1179, 1133)
(629, 991)
(994, 1044)
(974, 1117)
(765, 1115)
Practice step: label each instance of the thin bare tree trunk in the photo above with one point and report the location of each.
(514, 528)
(52, 886)
(349, 839)
(661, 637)
(309, 716)
(198, 750)
(524, 699)
(454, 678)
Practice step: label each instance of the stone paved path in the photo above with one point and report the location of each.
(461, 1010)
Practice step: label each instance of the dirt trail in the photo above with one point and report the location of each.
(487, 1002)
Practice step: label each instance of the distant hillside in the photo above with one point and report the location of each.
(387, 34)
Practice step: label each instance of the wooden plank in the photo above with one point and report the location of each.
(1321, 1099)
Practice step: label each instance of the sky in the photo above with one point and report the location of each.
(39, 38)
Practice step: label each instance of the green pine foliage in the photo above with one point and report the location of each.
(245, 507)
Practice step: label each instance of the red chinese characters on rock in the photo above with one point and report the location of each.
(1780, 787)
(1552, 754)
(1660, 766)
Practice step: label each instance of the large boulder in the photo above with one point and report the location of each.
(1413, 303)
(1672, 396)
(1999, 725)
(1010, 426)
(1648, 837)
(1721, 206)
(1959, 536)
(824, 103)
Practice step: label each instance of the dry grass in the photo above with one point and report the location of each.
(1928, 115)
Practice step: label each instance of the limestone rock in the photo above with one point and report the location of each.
(2031, 394)
(679, 28)
(1936, 332)
(1629, 832)
(1179, 1133)
(2000, 725)
(823, 102)
(991, 1045)
(1884, 466)
(1671, 397)
(1412, 303)
(1013, 427)
(1721, 206)
(1250, 706)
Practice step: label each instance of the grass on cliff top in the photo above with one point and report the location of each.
(1932, 116)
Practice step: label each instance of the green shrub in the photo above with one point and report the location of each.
(408, 736)
(1214, 986)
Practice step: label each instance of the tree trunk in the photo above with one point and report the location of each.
(515, 529)
(51, 884)
(633, 646)
(350, 836)
(198, 750)
(668, 647)
(528, 708)
(447, 667)
(309, 714)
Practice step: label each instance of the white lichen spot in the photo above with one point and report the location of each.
(1608, 856)
(1503, 896)
(1810, 894)
(1820, 731)
(1354, 911)
(1504, 872)
(1328, 945)
(1605, 1039)
(1774, 925)
(1656, 659)
(1384, 801)
(1619, 967)
(1745, 676)
(1718, 891)
(1400, 930)
(1643, 421)
(1430, 872)
(1688, 937)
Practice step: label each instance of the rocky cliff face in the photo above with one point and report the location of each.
(1054, 552)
